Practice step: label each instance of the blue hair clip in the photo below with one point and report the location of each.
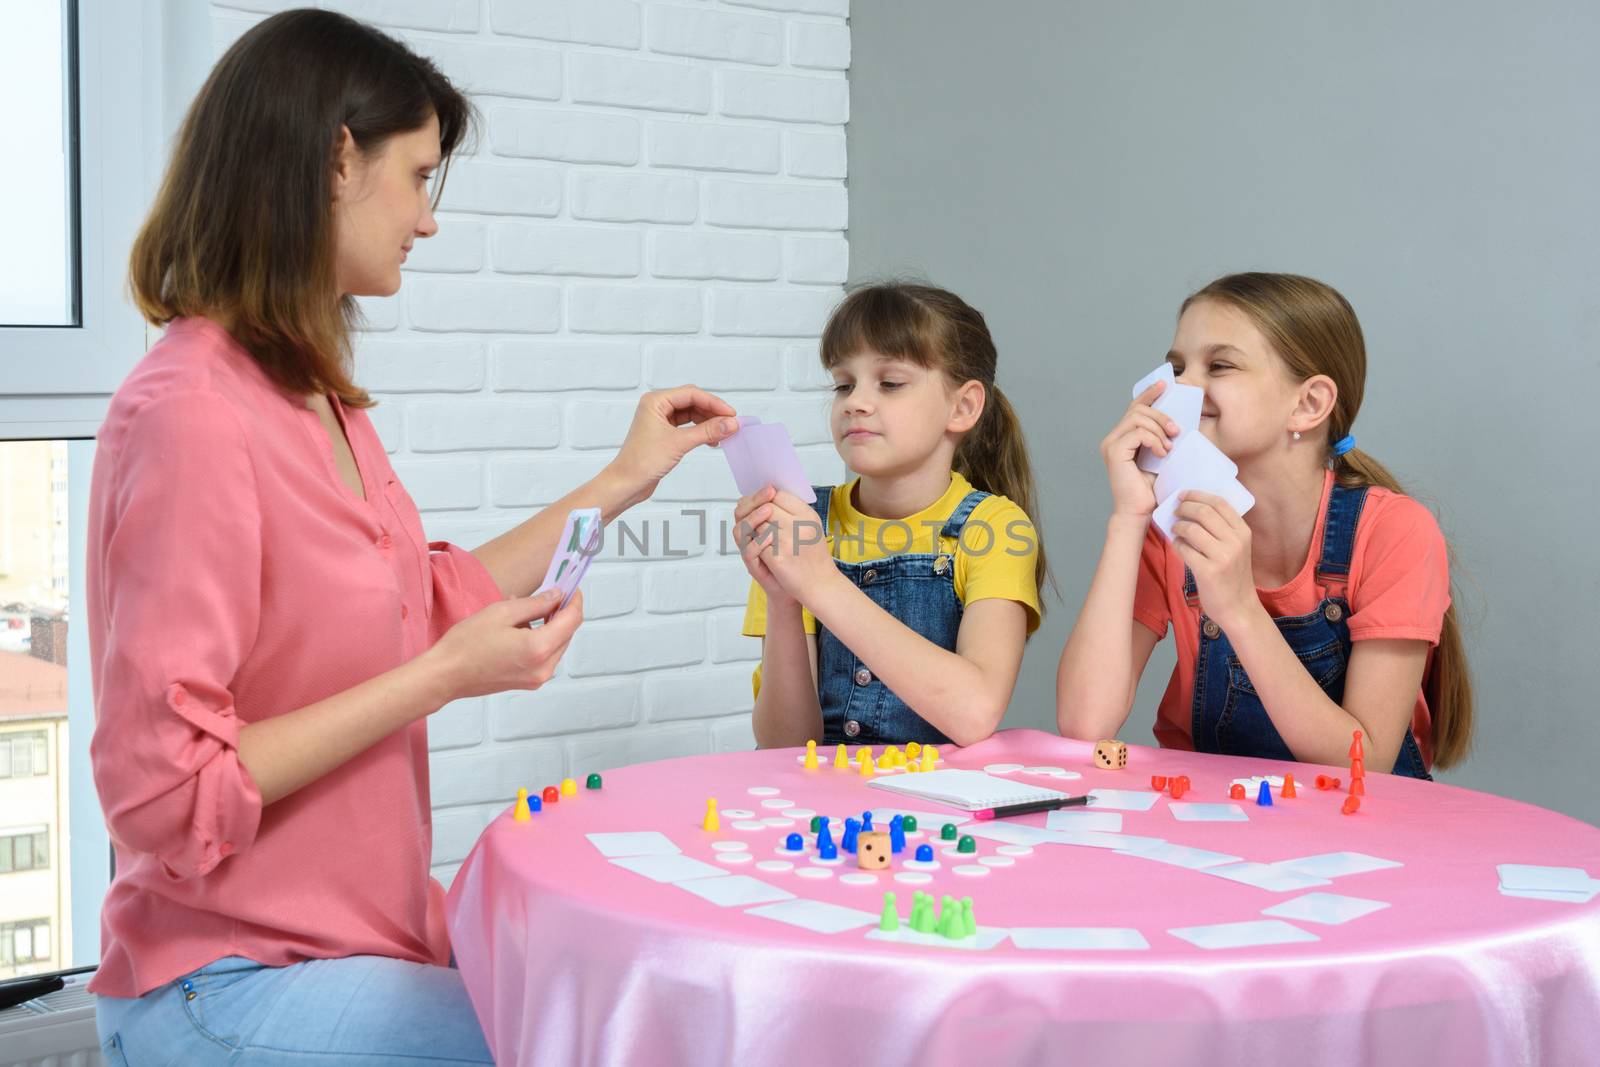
(1344, 444)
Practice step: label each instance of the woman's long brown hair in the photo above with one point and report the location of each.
(243, 225)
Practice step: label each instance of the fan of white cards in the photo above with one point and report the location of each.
(1193, 462)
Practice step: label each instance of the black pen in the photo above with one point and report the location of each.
(1032, 806)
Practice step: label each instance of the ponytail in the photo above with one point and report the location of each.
(993, 456)
(1448, 683)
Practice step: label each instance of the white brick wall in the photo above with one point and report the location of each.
(656, 196)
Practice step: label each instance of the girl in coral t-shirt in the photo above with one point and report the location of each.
(1327, 610)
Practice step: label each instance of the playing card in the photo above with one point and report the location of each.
(761, 454)
(581, 540)
(816, 915)
(1243, 935)
(1330, 909)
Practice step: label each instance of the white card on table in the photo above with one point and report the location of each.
(1266, 876)
(1106, 822)
(1243, 935)
(1115, 842)
(815, 915)
(1122, 799)
(670, 868)
(735, 890)
(987, 937)
(1078, 937)
(1013, 833)
(640, 843)
(1552, 894)
(1550, 879)
(1330, 909)
(1336, 864)
(1185, 811)
(1196, 859)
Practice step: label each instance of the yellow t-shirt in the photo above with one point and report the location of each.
(994, 560)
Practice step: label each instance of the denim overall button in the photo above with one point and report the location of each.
(852, 728)
(941, 564)
(1333, 613)
(1211, 628)
(869, 577)
(863, 676)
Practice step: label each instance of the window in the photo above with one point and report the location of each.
(23, 754)
(39, 284)
(26, 851)
(27, 941)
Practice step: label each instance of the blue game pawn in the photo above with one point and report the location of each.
(534, 803)
(1264, 796)
(825, 839)
(852, 827)
(794, 843)
(827, 850)
(897, 835)
(924, 853)
(866, 822)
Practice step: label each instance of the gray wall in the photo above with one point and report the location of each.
(1074, 169)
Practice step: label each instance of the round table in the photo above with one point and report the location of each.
(574, 958)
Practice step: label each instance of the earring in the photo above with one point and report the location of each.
(1297, 435)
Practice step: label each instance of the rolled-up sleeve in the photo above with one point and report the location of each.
(175, 567)
(462, 586)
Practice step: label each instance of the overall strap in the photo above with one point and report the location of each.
(958, 518)
(1339, 536)
(824, 498)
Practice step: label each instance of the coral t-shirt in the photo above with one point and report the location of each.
(1399, 587)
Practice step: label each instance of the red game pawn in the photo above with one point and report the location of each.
(1237, 792)
(1322, 781)
(1178, 786)
(1158, 782)
(1351, 805)
(1288, 789)
(1358, 787)
(552, 794)
(1355, 745)
(1357, 769)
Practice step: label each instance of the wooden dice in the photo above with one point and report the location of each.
(872, 850)
(1111, 755)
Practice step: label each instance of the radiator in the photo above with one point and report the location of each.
(55, 1030)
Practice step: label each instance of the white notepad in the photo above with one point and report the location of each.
(968, 790)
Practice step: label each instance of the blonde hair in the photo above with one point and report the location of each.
(1314, 330)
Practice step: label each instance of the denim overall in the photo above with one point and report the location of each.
(919, 589)
(1228, 716)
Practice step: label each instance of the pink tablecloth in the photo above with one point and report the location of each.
(570, 959)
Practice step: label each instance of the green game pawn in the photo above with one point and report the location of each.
(968, 923)
(968, 845)
(909, 824)
(890, 920)
(950, 925)
(948, 833)
(592, 782)
(924, 923)
(816, 823)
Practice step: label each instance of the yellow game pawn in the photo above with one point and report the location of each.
(712, 824)
(520, 812)
(885, 762)
(864, 757)
(930, 755)
(841, 758)
(899, 758)
(913, 750)
(811, 755)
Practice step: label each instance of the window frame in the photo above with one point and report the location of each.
(137, 62)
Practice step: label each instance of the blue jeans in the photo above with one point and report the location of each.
(361, 1009)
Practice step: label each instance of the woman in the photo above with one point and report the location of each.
(269, 628)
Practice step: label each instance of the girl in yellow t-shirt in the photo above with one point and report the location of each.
(897, 608)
